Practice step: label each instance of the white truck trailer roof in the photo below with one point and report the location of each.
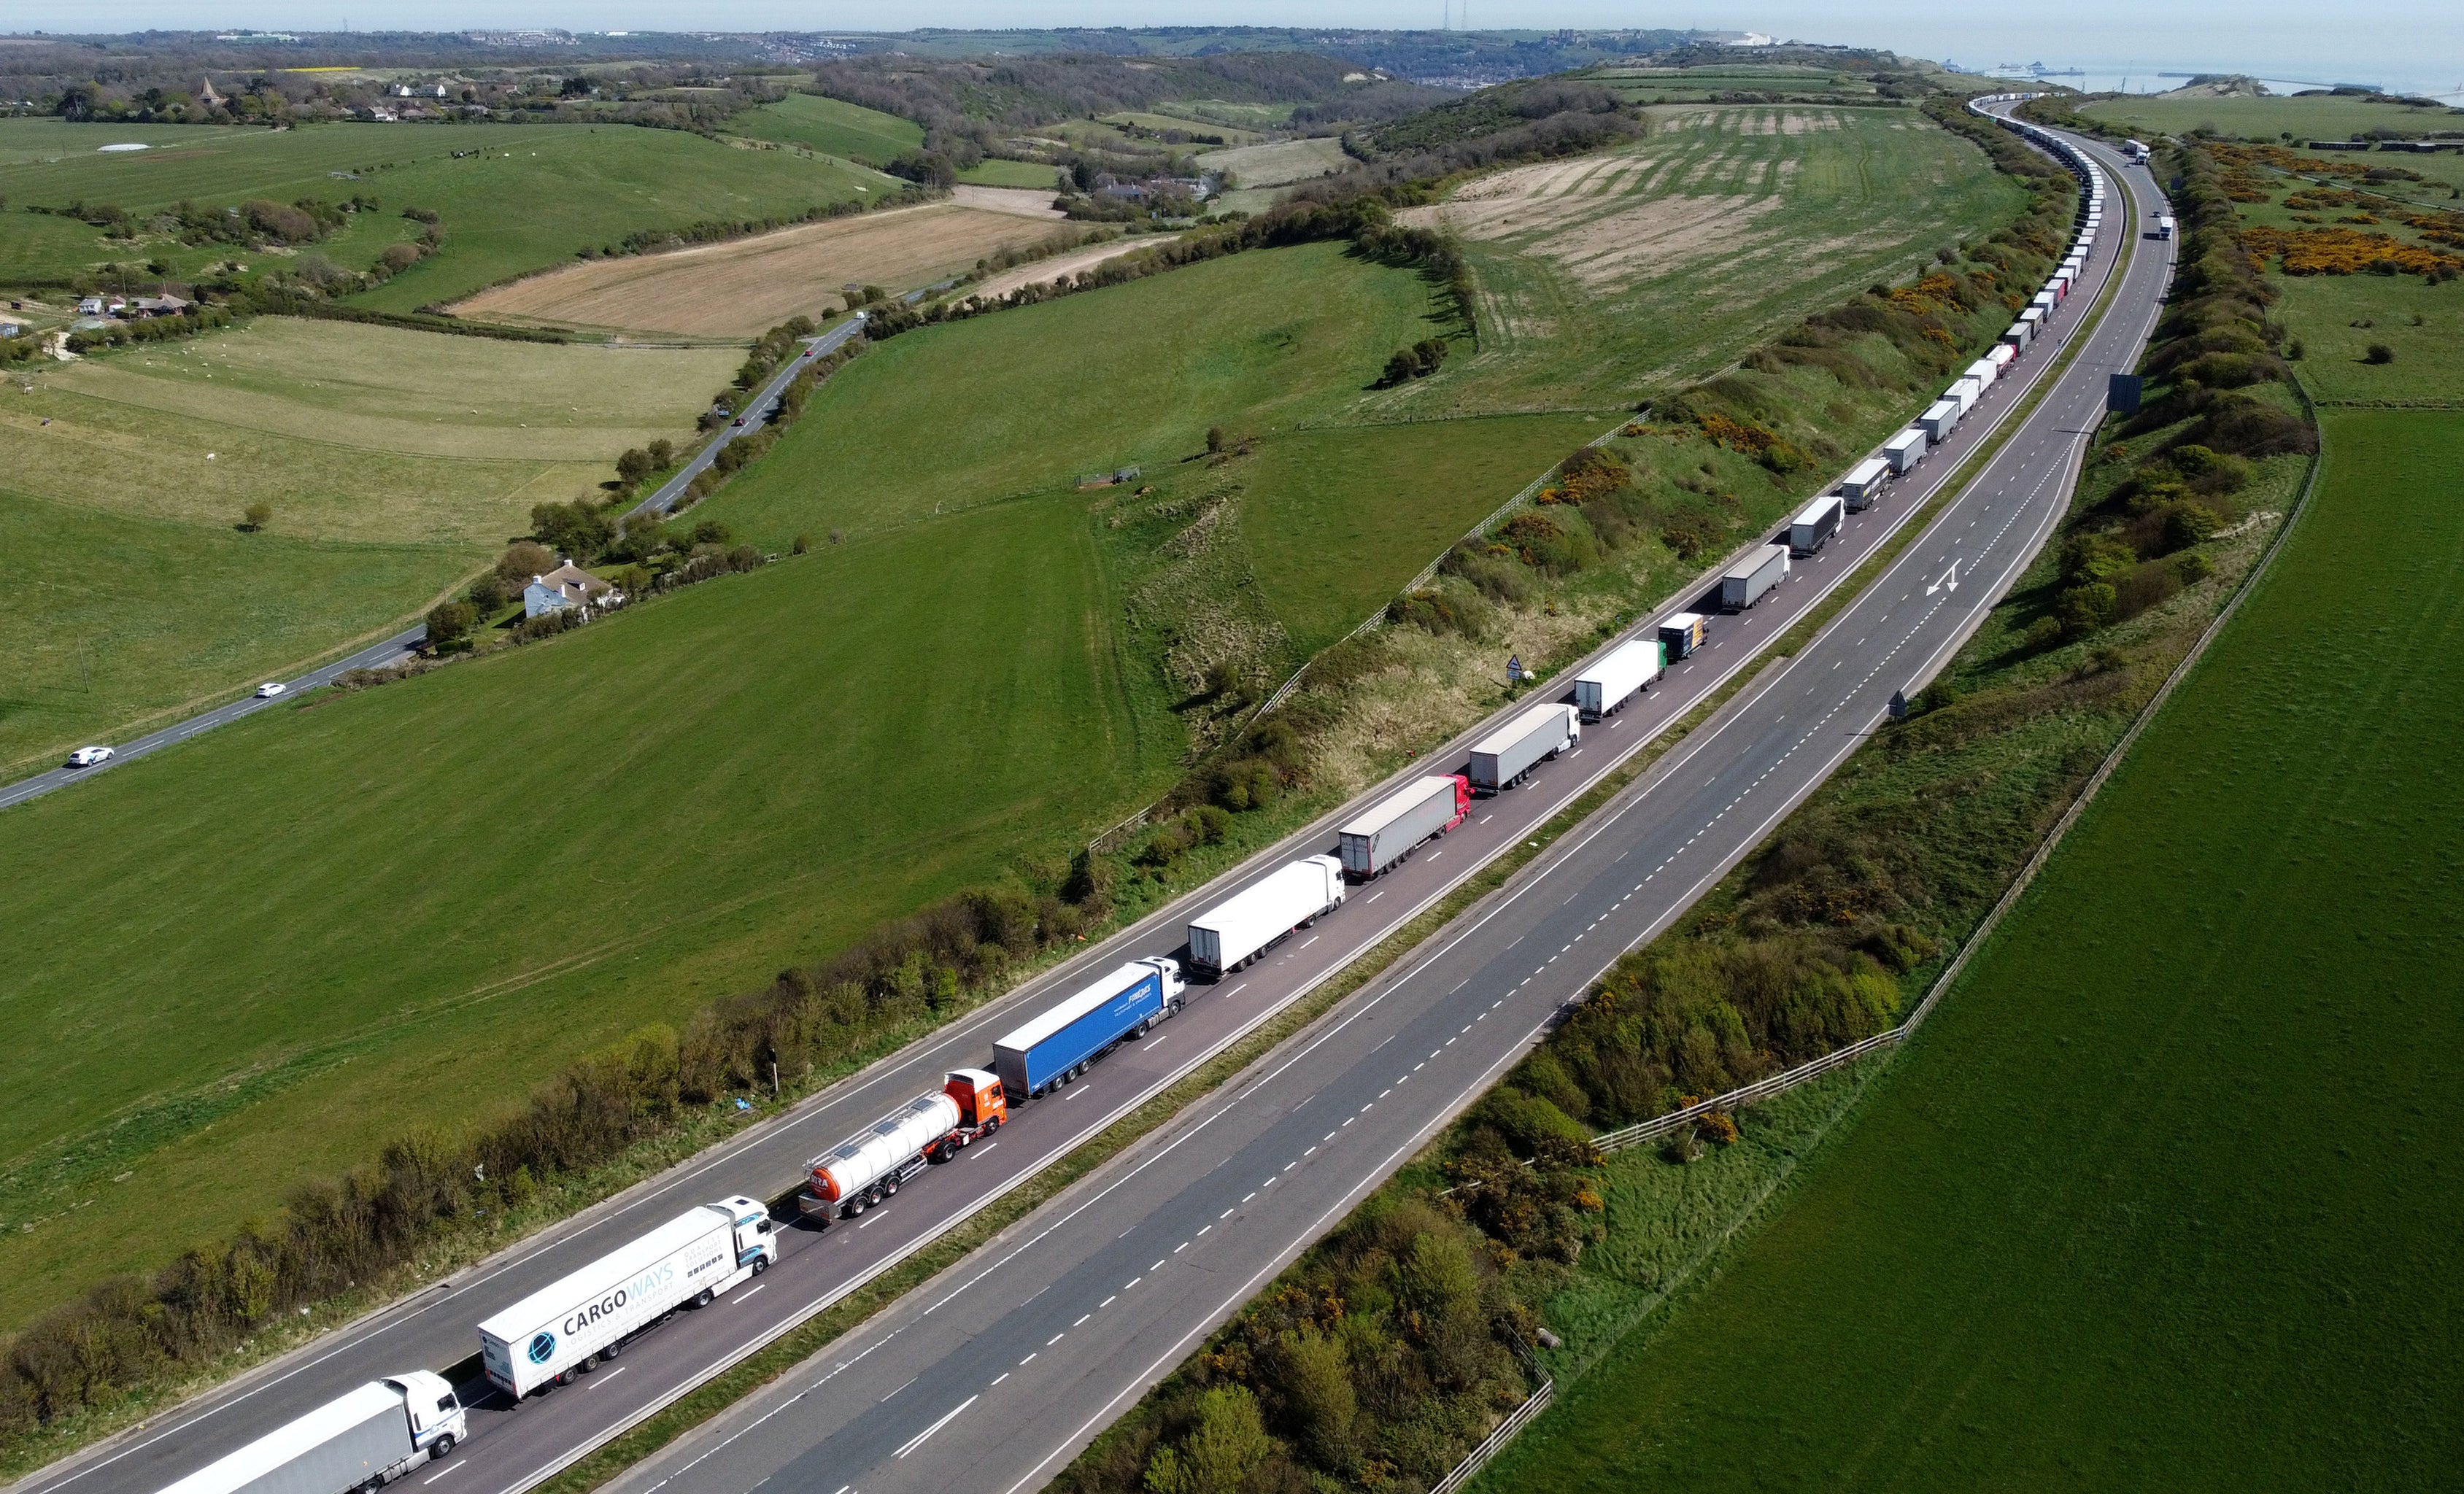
(1410, 797)
(239, 1469)
(514, 1324)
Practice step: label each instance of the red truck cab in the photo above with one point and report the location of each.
(983, 1108)
(1463, 800)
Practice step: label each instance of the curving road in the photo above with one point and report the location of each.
(393, 650)
(1114, 1280)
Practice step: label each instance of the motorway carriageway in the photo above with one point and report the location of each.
(393, 650)
(1110, 1284)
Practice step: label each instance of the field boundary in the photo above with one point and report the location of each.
(1495, 1442)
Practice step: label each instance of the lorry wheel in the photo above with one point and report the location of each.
(611, 1351)
(761, 1264)
(704, 1299)
(443, 1445)
(889, 1189)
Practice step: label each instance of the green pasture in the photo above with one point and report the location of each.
(2339, 316)
(1023, 401)
(833, 128)
(995, 171)
(1336, 521)
(575, 186)
(2093, 1229)
(1280, 164)
(258, 957)
(1233, 135)
(1662, 262)
(108, 617)
(2311, 117)
(133, 592)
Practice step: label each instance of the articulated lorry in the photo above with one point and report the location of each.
(371, 1437)
(1056, 1047)
(873, 1164)
(1229, 935)
(568, 1326)
(1620, 675)
(1744, 583)
(1813, 525)
(1507, 756)
(1424, 810)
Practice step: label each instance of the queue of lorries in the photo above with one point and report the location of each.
(383, 1429)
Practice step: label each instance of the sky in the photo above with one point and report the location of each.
(2410, 45)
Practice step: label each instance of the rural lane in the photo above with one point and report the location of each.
(393, 650)
(1148, 1190)
(663, 501)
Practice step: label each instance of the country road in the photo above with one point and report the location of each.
(997, 1371)
(393, 650)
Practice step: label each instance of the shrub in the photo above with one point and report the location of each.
(257, 515)
(450, 621)
(523, 560)
(2379, 353)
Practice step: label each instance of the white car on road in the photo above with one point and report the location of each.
(88, 756)
(270, 688)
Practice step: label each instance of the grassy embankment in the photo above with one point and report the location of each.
(135, 590)
(577, 187)
(2082, 1230)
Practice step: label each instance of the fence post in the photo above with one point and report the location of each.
(1495, 1442)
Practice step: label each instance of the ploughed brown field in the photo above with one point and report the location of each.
(746, 286)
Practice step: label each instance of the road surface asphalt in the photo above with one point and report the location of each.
(997, 1371)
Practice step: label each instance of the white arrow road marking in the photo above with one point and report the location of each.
(1949, 578)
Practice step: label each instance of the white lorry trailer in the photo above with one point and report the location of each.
(1422, 810)
(871, 1165)
(1744, 583)
(1864, 483)
(1624, 670)
(1903, 450)
(1224, 938)
(2164, 226)
(568, 1326)
(1813, 525)
(1985, 371)
(372, 1436)
(1938, 420)
(1505, 755)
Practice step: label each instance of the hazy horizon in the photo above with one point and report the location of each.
(2413, 46)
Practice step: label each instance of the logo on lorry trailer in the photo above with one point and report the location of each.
(542, 1348)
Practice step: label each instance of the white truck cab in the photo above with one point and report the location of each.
(437, 1419)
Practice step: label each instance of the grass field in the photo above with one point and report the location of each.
(444, 889)
(576, 185)
(743, 287)
(1603, 276)
(1337, 521)
(1232, 135)
(2091, 1230)
(424, 896)
(833, 128)
(1280, 164)
(128, 472)
(935, 420)
(994, 172)
(2322, 117)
